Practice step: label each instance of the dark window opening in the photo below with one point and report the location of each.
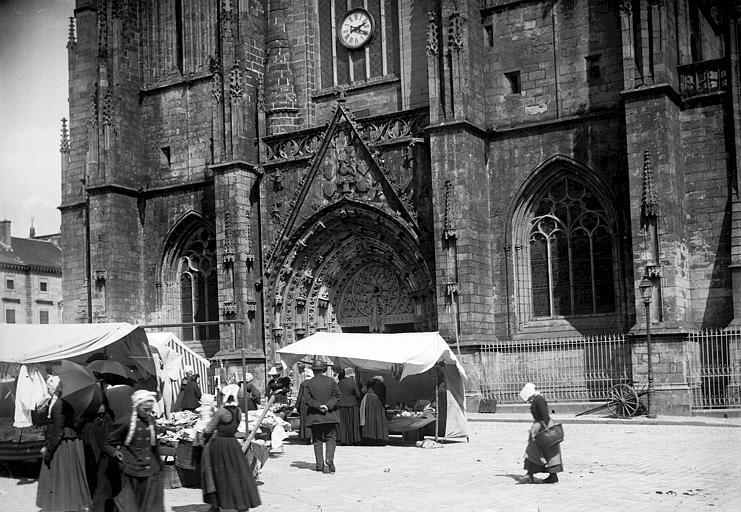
(42, 286)
(594, 73)
(695, 34)
(179, 34)
(489, 29)
(9, 284)
(165, 157)
(43, 317)
(10, 316)
(513, 77)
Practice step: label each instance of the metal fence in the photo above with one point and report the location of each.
(715, 369)
(573, 369)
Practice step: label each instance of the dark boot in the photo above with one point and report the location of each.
(319, 455)
(552, 479)
(527, 479)
(330, 465)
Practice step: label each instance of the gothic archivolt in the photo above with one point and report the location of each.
(353, 266)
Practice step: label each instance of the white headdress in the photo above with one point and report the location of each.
(137, 398)
(528, 390)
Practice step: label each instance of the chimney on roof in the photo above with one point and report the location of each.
(32, 231)
(5, 234)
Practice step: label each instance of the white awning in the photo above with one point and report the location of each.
(37, 343)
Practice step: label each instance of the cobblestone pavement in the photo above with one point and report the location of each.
(607, 467)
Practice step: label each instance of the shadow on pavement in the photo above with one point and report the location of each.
(300, 464)
(520, 479)
(25, 472)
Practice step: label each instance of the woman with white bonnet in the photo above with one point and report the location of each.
(535, 459)
(62, 482)
(251, 393)
(225, 477)
(134, 445)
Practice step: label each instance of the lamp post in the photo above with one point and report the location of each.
(647, 288)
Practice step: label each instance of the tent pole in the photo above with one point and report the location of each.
(244, 366)
(455, 322)
(437, 401)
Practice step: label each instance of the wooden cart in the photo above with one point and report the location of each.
(624, 402)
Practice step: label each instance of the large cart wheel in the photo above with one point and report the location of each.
(624, 401)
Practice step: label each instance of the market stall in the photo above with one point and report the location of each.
(28, 351)
(419, 365)
(181, 440)
(174, 356)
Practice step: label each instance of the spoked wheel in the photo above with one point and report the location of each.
(624, 401)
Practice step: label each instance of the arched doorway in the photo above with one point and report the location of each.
(351, 267)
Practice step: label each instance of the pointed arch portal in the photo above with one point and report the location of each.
(352, 268)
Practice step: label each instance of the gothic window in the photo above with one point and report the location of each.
(198, 285)
(378, 58)
(179, 37)
(570, 264)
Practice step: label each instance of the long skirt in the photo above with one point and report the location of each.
(225, 477)
(63, 484)
(376, 426)
(303, 430)
(538, 461)
(141, 494)
(349, 429)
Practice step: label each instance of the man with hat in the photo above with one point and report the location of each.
(277, 386)
(322, 395)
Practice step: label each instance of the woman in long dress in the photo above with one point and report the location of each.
(62, 483)
(374, 426)
(349, 431)
(536, 461)
(225, 477)
(134, 445)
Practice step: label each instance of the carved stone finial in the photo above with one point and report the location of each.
(649, 200)
(71, 38)
(216, 81)
(449, 229)
(456, 40)
(229, 251)
(108, 108)
(432, 33)
(235, 82)
(64, 145)
(92, 119)
(626, 7)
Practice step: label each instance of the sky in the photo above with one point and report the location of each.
(33, 100)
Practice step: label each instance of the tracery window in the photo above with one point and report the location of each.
(199, 285)
(570, 253)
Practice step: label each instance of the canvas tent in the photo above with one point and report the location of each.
(404, 355)
(39, 343)
(174, 356)
(44, 344)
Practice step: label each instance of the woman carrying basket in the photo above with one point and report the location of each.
(538, 460)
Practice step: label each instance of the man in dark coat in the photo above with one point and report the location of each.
(191, 392)
(322, 396)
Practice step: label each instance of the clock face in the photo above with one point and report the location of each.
(356, 28)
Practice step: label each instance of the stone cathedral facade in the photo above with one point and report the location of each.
(493, 169)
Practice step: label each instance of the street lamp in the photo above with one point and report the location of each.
(647, 288)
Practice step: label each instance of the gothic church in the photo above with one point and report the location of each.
(493, 169)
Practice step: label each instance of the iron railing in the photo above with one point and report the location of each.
(570, 369)
(715, 369)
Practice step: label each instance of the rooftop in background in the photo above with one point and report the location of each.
(39, 253)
